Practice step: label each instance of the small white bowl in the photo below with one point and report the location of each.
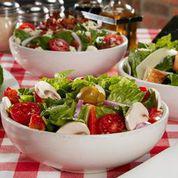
(168, 93)
(84, 153)
(47, 63)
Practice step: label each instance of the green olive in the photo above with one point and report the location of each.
(92, 95)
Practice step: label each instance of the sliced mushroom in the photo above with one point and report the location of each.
(153, 60)
(158, 98)
(6, 103)
(175, 66)
(45, 90)
(76, 128)
(136, 114)
(154, 75)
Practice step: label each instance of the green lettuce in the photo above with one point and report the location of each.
(60, 114)
(41, 41)
(22, 35)
(1, 75)
(167, 64)
(173, 79)
(126, 92)
(103, 110)
(65, 35)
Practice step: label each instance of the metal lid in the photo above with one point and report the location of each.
(8, 7)
(50, 4)
(32, 12)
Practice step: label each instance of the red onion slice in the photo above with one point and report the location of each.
(142, 124)
(78, 108)
(76, 37)
(113, 103)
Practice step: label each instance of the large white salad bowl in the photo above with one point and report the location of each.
(47, 63)
(84, 153)
(169, 94)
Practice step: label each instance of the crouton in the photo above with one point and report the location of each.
(175, 66)
(155, 76)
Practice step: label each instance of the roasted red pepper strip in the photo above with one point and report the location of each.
(92, 120)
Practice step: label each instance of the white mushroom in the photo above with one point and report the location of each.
(45, 90)
(153, 60)
(136, 114)
(158, 98)
(76, 128)
(6, 103)
(91, 48)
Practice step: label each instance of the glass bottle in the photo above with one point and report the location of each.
(117, 9)
(8, 19)
(92, 6)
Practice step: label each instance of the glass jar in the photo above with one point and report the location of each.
(92, 6)
(117, 9)
(54, 6)
(32, 13)
(8, 19)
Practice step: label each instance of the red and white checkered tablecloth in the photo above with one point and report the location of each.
(14, 164)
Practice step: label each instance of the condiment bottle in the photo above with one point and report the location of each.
(54, 6)
(92, 6)
(117, 9)
(32, 13)
(8, 19)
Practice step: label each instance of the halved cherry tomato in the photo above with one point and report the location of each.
(22, 112)
(143, 89)
(147, 93)
(36, 122)
(92, 120)
(113, 39)
(110, 123)
(38, 99)
(26, 25)
(153, 113)
(58, 45)
(12, 95)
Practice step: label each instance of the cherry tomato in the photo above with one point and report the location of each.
(26, 25)
(113, 39)
(110, 123)
(36, 122)
(58, 45)
(147, 93)
(92, 120)
(153, 113)
(22, 112)
(91, 95)
(38, 99)
(143, 89)
(12, 95)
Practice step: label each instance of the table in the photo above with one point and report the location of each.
(13, 164)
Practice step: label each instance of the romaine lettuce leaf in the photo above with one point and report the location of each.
(65, 35)
(167, 64)
(84, 114)
(126, 92)
(22, 35)
(103, 110)
(1, 75)
(60, 114)
(173, 79)
(41, 41)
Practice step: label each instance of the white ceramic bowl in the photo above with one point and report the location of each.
(89, 153)
(47, 63)
(169, 94)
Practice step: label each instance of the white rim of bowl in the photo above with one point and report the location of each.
(123, 73)
(125, 43)
(18, 125)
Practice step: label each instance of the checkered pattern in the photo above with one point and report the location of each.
(16, 165)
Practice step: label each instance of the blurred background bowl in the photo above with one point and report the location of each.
(168, 93)
(84, 153)
(47, 63)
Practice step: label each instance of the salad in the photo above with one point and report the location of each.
(88, 105)
(155, 62)
(67, 34)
